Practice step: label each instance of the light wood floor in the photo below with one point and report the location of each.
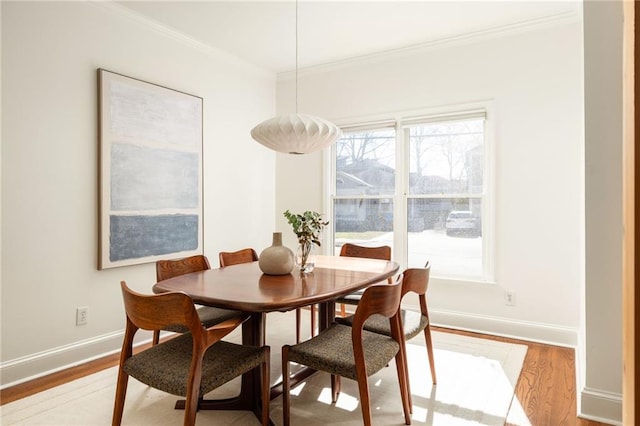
(546, 389)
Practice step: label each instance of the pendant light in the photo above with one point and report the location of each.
(296, 133)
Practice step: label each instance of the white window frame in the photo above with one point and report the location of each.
(402, 121)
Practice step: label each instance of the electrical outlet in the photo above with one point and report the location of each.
(82, 315)
(510, 298)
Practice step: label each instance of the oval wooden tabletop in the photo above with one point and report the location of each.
(244, 287)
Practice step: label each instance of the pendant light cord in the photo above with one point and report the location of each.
(296, 56)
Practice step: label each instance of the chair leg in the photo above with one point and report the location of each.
(192, 399)
(405, 372)
(432, 364)
(298, 318)
(335, 388)
(156, 337)
(343, 310)
(401, 367)
(121, 392)
(365, 403)
(266, 387)
(190, 411)
(286, 397)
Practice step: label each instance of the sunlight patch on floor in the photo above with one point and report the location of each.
(296, 391)
(458, 398)
(345, 401)
(517, 416)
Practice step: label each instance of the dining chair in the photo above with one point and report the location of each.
(209, 315)
(352, 352)
(354, 250)
(228, 258)
(414, 280)
(191, 364)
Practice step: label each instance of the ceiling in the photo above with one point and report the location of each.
(264, 32)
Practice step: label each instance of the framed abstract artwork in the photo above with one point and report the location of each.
(150, 172)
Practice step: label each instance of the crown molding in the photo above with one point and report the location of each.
(458, 40)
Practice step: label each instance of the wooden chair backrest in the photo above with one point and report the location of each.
(158, 311)
(353, 250)
(228, 258)
(166, 269)
(382, 299)
(416, 280)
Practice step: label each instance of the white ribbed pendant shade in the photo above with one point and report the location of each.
(296, 133)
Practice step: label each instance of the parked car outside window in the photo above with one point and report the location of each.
(463, 223)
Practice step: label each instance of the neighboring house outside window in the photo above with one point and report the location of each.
(419, 186)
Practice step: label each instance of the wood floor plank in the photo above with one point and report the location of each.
(565, 382)
(538, 370)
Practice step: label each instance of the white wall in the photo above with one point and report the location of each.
(533, 81)
(50, 54)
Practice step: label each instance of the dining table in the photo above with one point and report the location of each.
(244, 287)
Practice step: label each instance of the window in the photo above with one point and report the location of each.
(419, 186)
(444, 197)
(365, 186)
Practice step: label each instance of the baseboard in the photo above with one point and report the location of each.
(506, 327)
(36, 365)
(603, 407)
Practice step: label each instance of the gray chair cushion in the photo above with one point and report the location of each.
(208, 316)
(332, 351)
(166, 365)
(412, 323)
(351, 298)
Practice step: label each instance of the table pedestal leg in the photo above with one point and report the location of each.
(327, 314)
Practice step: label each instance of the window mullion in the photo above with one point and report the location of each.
(329, 190)
(400, 216)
